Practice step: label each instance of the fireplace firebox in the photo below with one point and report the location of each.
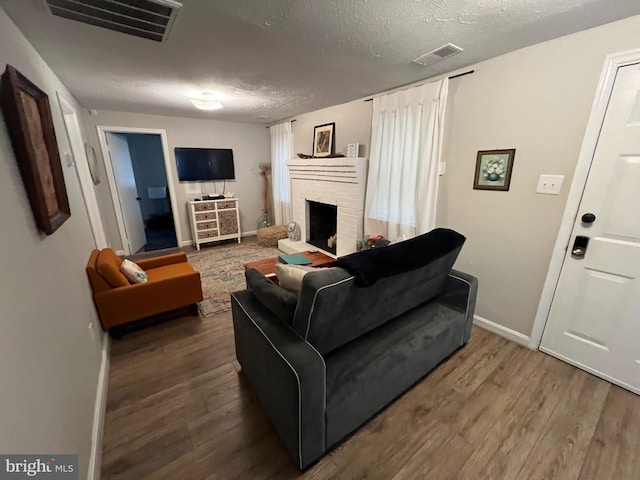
(322, 224)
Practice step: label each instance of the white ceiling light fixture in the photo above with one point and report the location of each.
(206, 101)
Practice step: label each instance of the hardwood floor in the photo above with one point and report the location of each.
(179, 409)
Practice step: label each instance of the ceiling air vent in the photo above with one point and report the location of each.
(437, 55)
(151, 19)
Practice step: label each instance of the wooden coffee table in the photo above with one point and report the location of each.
(268, 266)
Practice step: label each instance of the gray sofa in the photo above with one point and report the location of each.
(326, 361)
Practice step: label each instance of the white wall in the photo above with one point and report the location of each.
(250, 144)
(353, 125)
(49, 358)
(536, 100)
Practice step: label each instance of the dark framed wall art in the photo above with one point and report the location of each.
(28, 117)
(324, 140)
(493, 169)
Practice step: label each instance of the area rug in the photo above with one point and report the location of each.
(222, 272)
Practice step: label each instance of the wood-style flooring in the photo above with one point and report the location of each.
(179, 408)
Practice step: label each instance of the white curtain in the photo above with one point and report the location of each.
(406, 144)
(281, 151)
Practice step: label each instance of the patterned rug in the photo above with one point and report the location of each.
(222, 272)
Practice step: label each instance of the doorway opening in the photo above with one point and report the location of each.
(142, 190)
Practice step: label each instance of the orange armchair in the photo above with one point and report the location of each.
(172, 283)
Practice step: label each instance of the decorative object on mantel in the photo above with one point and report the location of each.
(493, 169)
(264, 219)
(335, 155)
(324, 140)
(30, 124)
(353, 150)
(293, 232)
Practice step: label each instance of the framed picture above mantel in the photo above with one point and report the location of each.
(324, 140)
(30, 124)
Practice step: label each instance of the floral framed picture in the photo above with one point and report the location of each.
(323, 140)
(493, 169)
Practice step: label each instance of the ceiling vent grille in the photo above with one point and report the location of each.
(437, 55)
(151, 19)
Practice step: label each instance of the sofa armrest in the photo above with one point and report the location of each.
(459, 294)
(149, 263)
(288, 374)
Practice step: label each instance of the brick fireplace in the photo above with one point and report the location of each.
(337, 182)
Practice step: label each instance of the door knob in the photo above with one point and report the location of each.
(588, 218)
(138, 198)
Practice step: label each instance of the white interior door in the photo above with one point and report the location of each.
(82, 167)
(127, 191)
(594, 321)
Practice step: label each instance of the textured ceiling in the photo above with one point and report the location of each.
(272, 59)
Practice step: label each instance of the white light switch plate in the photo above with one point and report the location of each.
(550, 184)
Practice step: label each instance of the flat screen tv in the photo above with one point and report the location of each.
(204, 164)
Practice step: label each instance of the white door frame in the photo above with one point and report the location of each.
(102, 131)
(70, 118)
(598, 110)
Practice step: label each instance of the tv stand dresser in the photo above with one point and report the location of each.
(213, 220)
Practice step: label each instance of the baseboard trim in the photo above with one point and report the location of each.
(95, 460)
(501, 330)
(186, 243)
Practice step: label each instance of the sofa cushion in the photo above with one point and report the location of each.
(169, 272)
(108, 266)
(290, 276)
(333, 310)
(133, 272)
(372, 371)
(279, 301)
(368, 266)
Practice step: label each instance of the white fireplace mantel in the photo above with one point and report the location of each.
(335, 181)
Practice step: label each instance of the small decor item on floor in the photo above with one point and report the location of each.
(269, 236)
(372, 242)
(263, 220)
(293, 232)
(324, 140)
(493, 169)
